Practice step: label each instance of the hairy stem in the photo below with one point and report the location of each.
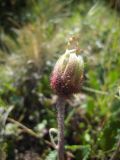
(60, 118)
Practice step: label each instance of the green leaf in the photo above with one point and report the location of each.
(52, 155)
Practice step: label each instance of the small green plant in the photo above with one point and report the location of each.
(66, 79)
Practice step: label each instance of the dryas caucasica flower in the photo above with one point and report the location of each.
(68, 73)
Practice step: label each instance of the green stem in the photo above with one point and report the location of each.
(92, 90)
(117, 151)
(60, 118)
(26, 129)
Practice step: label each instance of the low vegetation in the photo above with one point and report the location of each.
(27, 103)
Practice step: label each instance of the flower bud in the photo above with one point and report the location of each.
(67, 75)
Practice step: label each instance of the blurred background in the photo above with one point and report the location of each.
(33, 34)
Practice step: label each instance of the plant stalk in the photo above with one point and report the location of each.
(117, 151)
(60, 119)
